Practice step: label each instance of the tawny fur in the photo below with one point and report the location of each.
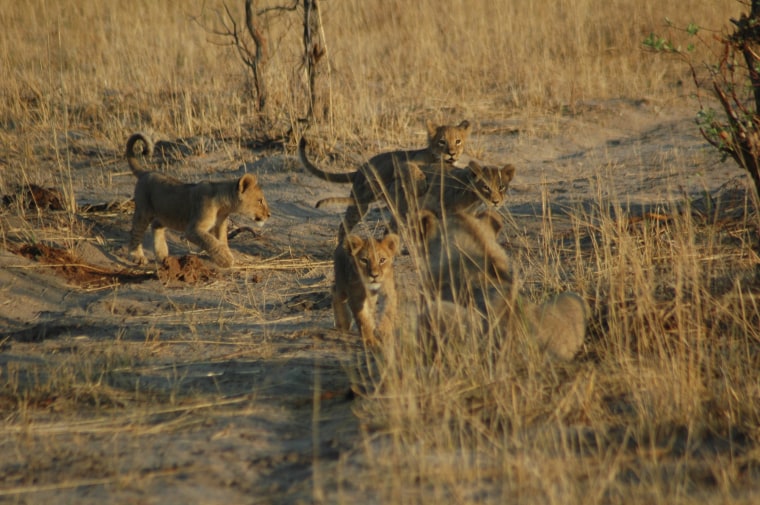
(557, 325)
(200, 210)
(443, 190)
(463, 255)
(469, 268)
(365, 287)
(445, 145)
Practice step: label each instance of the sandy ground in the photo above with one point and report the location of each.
(208, 386)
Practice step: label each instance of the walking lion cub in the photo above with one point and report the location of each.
(371, 180)
(200, 210)
(365, 287)
(442, 190)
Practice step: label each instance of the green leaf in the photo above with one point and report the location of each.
(692, 29)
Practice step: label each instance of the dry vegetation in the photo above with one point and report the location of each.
(191, 392)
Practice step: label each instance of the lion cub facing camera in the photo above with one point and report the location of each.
(200, 210)
(365, 287)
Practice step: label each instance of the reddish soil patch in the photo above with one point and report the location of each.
(184, 269)
(75, 270)
(34, 196)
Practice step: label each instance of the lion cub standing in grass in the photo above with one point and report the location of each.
(445, 190)
(365, 287)
(472, 275)
(372, 180)
(200, 210)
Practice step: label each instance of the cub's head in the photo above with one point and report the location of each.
(445, 142)
(373, 258)
(490, 182)
(251, 199)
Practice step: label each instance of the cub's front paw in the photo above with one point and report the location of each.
(223, 258)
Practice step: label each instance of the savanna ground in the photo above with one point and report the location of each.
(190, 384)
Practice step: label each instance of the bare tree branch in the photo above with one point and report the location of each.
(313, 51)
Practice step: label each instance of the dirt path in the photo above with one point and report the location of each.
(195, 385)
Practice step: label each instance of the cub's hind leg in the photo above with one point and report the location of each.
(160, 248)
(341, 311)
(140, 222)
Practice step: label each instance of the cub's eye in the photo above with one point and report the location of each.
(486, 190)
(261, 201)
(458, 141)
(442, 142)
(502, 189)
(382, 261)
(364, 261)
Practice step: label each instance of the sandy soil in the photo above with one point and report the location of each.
(187, 384)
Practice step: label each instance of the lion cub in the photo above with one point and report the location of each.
(445, 146)
(469, 269)
(443, 190)
(200, 210)
(557, 325)
(365, 287)
(464, 258)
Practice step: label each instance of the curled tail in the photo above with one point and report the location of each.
(134, 163)
(335, 200)
(341, 177)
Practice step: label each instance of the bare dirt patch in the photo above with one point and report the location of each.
(75, 270)
(194, 384)
(33, 196)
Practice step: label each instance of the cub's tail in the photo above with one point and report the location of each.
(134, 162)
(335, 200)
(343, 177)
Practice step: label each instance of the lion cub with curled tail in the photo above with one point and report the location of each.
(371, 180)
(365, 287)
(471, 273)
(441, 190)
(200, 210)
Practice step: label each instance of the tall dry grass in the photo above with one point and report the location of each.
(662, 407)
(113, 68)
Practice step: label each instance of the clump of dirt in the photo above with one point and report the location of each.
(36, 197)
(186, 268)
(77, 271)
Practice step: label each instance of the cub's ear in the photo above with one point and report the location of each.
(248, 181)
(392, 242)
(353, 244)
(475, 168)
(432, 128)
(428, 225)
(508, 172)
(465, 125)
(492, 219)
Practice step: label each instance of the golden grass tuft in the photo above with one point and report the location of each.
(662, 406)
(119, 68)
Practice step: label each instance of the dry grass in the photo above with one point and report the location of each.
(662, 406)
(147, 65)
